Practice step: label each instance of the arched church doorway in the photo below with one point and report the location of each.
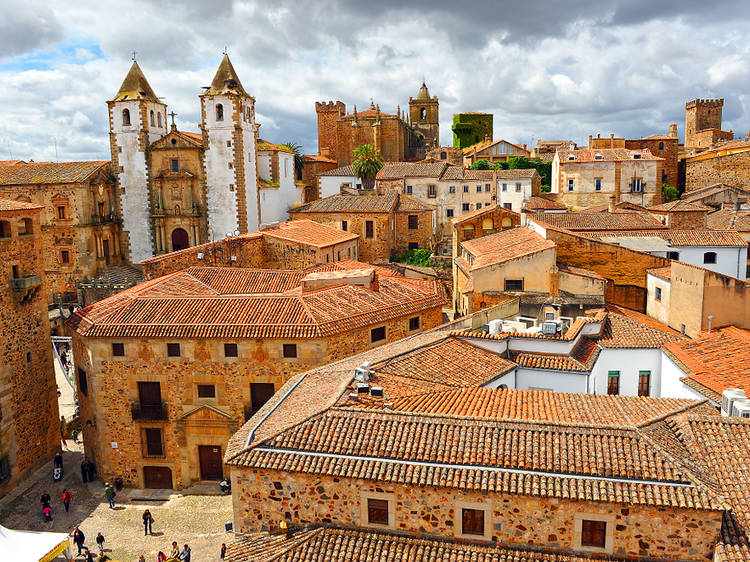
(180, 239)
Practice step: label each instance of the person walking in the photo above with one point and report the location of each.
(47, 510)
(175, 550)
(45, 499)
(100, 544)
(58, 460)
(223, 551)
(78, 538)
(148, 520)
(109, 493)
(88, 556)
(84, 471)
(67, 497)
(185, 554)
(91, 470)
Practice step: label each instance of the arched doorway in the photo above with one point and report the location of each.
(180, 239)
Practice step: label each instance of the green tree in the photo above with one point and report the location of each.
(523, 163)
(366, 164)
(299, 161)
(500, 165)
(669, 193)
(546, 188)
(480, 165)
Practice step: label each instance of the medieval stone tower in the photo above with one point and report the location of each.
(328, 114)
(136, 119)
(229, 131)
(700, 115)
(425, 116)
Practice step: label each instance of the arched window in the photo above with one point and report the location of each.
(152, 118)
(423, 114)
(219, 112)
(158, 119)
(126, 117)
(709, 257)
(661, 146)
(26, 227)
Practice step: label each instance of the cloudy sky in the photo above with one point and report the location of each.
(554, 69)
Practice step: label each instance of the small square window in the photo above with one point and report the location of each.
(229, 143)
(452, 189)
(206, 391)
(658, 294)
(479, 188)
(230, 350)
(173, 350)
(377, 334)
(478, 205)
(514, 284)
(377, 511)
(118, 349)
(230, 165)
(413, 222)
(593, 533)
(175, 165)
(613, 382)
(518, 187)
(409, 189)
(431, 191)
(414, 323)
(472, 522)
(369, 229)
(449, 213)
(465, 206)
(571, 184)
(290, 350)
(466, 189)
(487, 187)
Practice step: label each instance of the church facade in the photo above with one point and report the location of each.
(179, 189)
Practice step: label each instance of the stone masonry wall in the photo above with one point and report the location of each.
(422, 235)
(263, 498)
(732, 169)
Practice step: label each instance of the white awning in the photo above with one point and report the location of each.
(32, 546)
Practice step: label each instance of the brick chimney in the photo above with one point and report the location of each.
(673, 130)
(612, 204)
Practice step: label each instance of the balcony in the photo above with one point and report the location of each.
(26, 282)
(97, 219)
(148, 412)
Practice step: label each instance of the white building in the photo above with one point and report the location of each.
(279, 191)
(332, 181)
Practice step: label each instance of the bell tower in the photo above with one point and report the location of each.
(136, 119)
(229, 134)
(425, 116)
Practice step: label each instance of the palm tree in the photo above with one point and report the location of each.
(366, 164)
(299, 160)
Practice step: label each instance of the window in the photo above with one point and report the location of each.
(709, 257)
(598, 156)
(682, 329)
(230, 350)
(344, 225)
(28, 357)
(673, 255)
(593, 533)
(26, 227)
(518, 187)
(206, 391)
(571, 184)
(173, 350)
(4, 468)
(479, 188)
(549, 316)
(657, 296)
(118, 349)
(4, 229)
(290, 350)
(478, 205)
(230, 165)
(661, 146)
(414, 323)
(413, 222)
(443, 155)
(472, 522)
(64, 256)
(637, 185)
(413, 245)
(369, 229)
(153, 445)
(229, 143)
(466, 189)
(83, 383)
(409, 189)
(452, 189)
(613, 382)
(126, 117)
(377, 511)
(61, 212)
(514, 284)
(153, 121)
(637, 156)
(487, 187)
(598, 184)
(465, 206)
(505, 187)
(644, 383)
(431, 191)
(423, 114)
(449, 213)
(175, 165)
(219, 112)
(377, 334)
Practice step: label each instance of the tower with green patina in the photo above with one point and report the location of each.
(471, 128)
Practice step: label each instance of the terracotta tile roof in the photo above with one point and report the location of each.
(717, 360)
(13, 205)
(385, 203)
(269, 146)
(465, 217)
(607, 155)
(396, 170)
(194, 137)
(242, 303)
(663, 272)
(621, 206)
(504, 246)
(695, 237)
(679, 205)
(582, 358)
(578, 271)
(484, 145)
(536, 204)
(11, 162)
(331, 543)
(342, 171)
(309, 233)
(318, 158)
(409, 203)
(49, 172)
(628, 329)
(459, 173)
(729, 219)
(600, 221)
(368, 114)
(708, 191)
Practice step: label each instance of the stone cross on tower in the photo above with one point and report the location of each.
(134, 53)
(173, 115)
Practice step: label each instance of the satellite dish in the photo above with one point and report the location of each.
(236, 232)
(229, 234)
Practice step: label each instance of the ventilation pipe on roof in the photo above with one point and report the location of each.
(710, 317)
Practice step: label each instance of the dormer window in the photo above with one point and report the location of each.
(126, 117)
(637, 156)
(219, 112)
(598, 156)
(571, 157)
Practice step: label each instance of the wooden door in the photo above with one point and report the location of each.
(210, 461)
(180, 239)
(260, 393)
(149, 393)
(157, 477)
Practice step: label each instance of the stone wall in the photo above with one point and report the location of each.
(663, 147)
(387, 133)
(29, 417)
(263, 498)
(193, 421)
(423, 236)
(732, 169)
(285, 254)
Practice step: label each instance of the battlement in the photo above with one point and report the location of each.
(330, 106)
(704, 103)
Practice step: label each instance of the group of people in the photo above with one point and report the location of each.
(46, 501)
(176, 554)
(79, 538)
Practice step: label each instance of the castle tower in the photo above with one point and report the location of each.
(328, 114)
(136, 119)
(425, 116)
(229, 135)
(700, 115)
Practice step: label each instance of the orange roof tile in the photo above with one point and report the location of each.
(309, 233)
(13, 205)
(396, 170)
(606, 155)
(694, 237)
(663, 272)
(536, 204)
(49, 172)
(385, 203)
(600, 221)
(504, 246)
